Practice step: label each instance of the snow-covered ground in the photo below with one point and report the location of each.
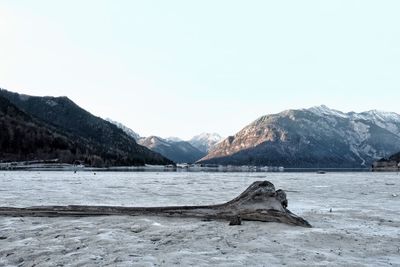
(356, 219)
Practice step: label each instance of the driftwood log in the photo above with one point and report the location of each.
(259, 202)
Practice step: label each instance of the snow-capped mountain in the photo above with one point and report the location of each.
(126, 129)
(386, 120)
(314, 137)
(205, 141)
(179, 152)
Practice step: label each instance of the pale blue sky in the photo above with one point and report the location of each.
(178, 68)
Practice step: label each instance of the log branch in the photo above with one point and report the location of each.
(259, 202)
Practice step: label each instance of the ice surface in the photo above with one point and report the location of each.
(356, 221)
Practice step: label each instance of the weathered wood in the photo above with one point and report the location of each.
(259, 202)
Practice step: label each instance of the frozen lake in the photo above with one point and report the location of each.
(356, 219)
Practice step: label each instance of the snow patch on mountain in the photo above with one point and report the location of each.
(361, 129)
(324, 110)
(173, 139)
(51, 103)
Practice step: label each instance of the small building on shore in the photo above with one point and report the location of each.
(385, 165)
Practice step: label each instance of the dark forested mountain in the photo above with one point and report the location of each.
(103, 141)
(316, 137)
(179, 152)
(25, 138)
(395, 157)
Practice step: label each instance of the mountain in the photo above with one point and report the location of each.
(127, 130)
(205, 141)
(179, 152)
(172, 148)
(317, 137)
(97, 136)
(25, 138)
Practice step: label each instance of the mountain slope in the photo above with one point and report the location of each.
(127, 130)
(317, 137)
(179, 152)
(205, 141)
(113, 145)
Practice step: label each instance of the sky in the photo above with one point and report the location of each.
(179, 68)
